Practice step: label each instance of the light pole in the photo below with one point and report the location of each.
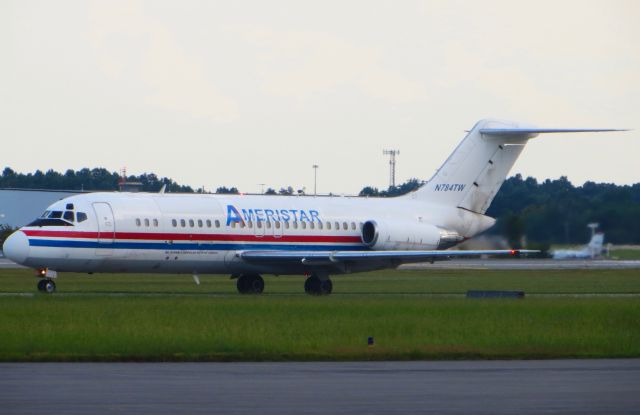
(315, 178)
(392, 165)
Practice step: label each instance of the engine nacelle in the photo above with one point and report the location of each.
(404, 235)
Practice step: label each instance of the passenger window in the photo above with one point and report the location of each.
(174, 222)
(329, 225)
(138, 223)
(312, 225)
(344, 225)
(286, 225)
(304, 225)
(277, 225)
(242, 224)
(295, 225)
(199, 223)
(217, 223)
(337, 226)
(68, 216)
(155, 223)
(81, 216)
(259, 224)
(353, 226)
(233, 224)
(250, 224)
(208, 223)
(268, 225)
(191, 224)
(146, 223)
(183, 223)
(319, 225)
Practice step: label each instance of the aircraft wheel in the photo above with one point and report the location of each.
(327, 287)
(250, 284)
(41, 284)
(315, 286)
(49, 287)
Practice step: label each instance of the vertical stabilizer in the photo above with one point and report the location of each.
(473, 174)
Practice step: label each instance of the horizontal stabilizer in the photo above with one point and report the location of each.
(523, 131)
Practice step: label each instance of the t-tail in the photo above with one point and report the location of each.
(473, 173)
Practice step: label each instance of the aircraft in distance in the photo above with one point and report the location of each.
(590, 251)
(250, 235)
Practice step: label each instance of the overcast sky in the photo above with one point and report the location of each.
(240, 93)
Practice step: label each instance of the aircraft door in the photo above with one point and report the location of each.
(106, 228)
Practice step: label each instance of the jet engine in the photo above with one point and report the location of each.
(405, 235)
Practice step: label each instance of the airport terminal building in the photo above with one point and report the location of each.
(21, 206)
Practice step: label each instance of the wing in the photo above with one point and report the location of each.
(323, 258)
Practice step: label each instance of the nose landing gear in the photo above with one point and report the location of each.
(46, 283)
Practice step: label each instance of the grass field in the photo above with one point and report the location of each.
(409, 313)
(625, 254)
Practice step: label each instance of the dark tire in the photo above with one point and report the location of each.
(250, 284)
(241, 284)
(49, 287)
(256, 284)
(313, 286)
(327, 287)
(41, 285)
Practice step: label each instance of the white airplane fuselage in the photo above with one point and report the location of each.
(252, 235)
(184, 233)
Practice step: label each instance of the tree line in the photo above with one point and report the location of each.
(97, 179)
(555, 211)
(551, 211)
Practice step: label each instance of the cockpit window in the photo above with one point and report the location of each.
(58, 218)
(69, 206)
(49, 222)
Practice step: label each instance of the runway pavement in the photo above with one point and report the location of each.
(485, 264)
(525, 263)
(8, 264)
(491, 387)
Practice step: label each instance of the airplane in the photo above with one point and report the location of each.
(251, 235)
(590, 251)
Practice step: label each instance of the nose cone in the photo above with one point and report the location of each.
(16, 247)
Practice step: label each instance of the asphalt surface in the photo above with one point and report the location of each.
(527, 264)
(491, 387)
(485, 264)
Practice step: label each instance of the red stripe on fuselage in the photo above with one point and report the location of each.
(195, 236)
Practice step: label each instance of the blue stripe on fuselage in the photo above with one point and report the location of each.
(58, 243)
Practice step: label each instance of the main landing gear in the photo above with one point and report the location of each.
(46, 285)
(250, 284)
(314, 285)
